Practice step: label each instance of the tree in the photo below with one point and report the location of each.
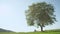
(41, 14)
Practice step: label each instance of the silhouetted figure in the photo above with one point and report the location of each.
(35, 30)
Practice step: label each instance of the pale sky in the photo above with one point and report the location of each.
(12, 15)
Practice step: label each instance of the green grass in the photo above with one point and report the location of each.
(46, 32)
(8, 33)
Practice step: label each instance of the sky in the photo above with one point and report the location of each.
(12, 15)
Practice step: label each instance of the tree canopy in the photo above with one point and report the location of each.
(41, 14)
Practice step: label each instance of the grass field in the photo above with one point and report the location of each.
(46, 32)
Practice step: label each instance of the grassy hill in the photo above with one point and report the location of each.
(4, 30)
(57, 31)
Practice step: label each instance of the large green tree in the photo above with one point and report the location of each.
(41, 14)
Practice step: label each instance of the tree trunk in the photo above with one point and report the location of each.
(42, 24)
(41, 28)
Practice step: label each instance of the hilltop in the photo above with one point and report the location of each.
(4, 30)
